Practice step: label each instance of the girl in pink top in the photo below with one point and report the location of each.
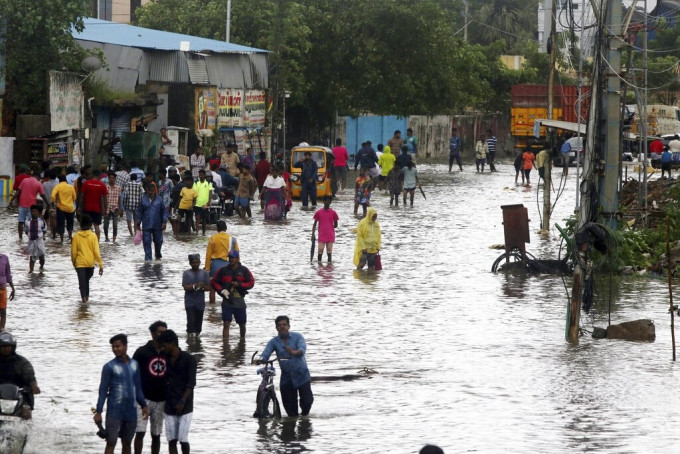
(328, 222)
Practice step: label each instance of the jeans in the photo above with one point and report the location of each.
(114, 217)
(84, 275)
(194, 320)
(289, 398)
(308, 192)
(147, 236)
(64, 218)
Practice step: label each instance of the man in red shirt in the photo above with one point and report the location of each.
(340, 164)
(261, 173)
(27, 194)
(92, 200)
(23, 174)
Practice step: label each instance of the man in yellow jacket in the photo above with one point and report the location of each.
(216, 255)
(84, 254)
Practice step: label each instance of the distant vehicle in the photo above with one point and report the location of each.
(576, 147)
(530, 102)
(662, 120)
(320, 155)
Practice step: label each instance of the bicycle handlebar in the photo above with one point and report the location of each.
(254, 361)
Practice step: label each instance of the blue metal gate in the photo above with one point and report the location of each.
(373, 128)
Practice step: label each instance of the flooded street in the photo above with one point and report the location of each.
(467, 360)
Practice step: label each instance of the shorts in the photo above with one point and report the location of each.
(237, 313)
(96, 217)
(177, 427)
(242, 202)
(216, 264)
(155, 416)
(368, 257)
(666, 166)
(541, 173)
(201, 213)
(24, 214)
(409, 189)
(3, 298)
(130, 215)
(115, 428)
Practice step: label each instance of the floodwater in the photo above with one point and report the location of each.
(468, 360)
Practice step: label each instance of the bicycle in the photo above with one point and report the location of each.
(267, 404)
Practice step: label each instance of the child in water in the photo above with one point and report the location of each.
(36, 228)
(363, 192)
(328, 222)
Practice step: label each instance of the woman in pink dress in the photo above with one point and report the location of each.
(328, 222)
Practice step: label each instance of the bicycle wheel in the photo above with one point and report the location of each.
(268, 405)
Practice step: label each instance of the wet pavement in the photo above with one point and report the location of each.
(468, 360)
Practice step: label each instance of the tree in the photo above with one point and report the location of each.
(37, 38)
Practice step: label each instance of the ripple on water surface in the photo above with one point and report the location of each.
(472, 361)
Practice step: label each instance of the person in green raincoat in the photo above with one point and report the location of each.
(386, 162)
(368, 240)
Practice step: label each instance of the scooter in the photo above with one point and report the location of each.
(13, 431)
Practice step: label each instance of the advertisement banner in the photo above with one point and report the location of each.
(255, 108)
(230, 107)
(206, 108)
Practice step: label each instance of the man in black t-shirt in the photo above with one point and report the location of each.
(153, 367)
(181, 381)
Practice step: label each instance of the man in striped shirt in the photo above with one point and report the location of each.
(491, 143)
(132, 195)
(113, 210)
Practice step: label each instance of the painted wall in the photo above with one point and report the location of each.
(370, 127)
(7, 156)
(66, 101)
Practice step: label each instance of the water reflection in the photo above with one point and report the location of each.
(233, 356)
(285, 435)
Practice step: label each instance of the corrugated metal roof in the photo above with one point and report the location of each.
(225, 71)
(168, 67)
(102, 31)
(198, 73)
(130, 58)
(119, 75)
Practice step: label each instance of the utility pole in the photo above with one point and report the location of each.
(547, 169)
(466, 21)
(604, 127)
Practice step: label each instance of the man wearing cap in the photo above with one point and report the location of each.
(233, 282)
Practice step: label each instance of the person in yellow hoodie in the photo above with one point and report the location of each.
(84, 254)
(368, 243)
(386, 162)
(217, 253)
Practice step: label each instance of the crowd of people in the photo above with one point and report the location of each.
(156, 383)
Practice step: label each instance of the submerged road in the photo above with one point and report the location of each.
(468, 360)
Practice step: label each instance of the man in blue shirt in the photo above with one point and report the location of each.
(121, 387)
(152, 215)
(666, 158)
(308, 179)
(454, 149)
(290, 349)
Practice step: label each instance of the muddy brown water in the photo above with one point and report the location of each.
(468, 360)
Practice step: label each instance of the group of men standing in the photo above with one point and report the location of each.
(490, 143)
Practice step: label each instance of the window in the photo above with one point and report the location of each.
(105, 10)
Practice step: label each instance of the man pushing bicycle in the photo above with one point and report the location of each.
(290, 348)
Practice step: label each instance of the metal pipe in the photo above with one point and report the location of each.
(644, 106)
(228, 19)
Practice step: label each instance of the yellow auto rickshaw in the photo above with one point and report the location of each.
(323, 183)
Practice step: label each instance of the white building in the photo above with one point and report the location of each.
(564, 20)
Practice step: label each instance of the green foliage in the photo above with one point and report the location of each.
(37, 39)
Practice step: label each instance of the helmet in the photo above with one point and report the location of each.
(8, 339)
(233, 254)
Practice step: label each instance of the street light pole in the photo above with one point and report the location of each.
(228, 19)
(286, 94)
